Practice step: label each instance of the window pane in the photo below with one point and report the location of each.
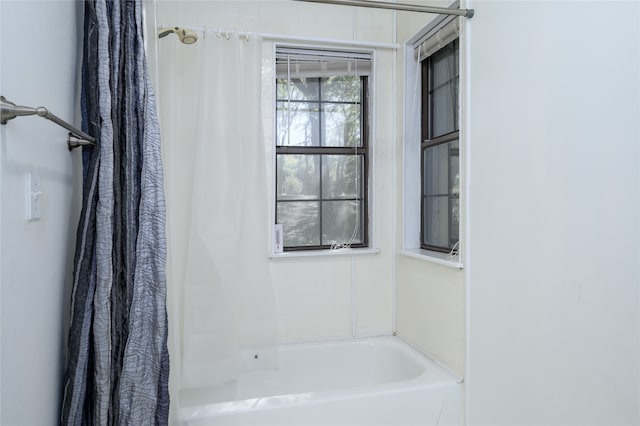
(297, 177)
(443, 91)
(455, 222)
(299, 89)
(341, 89)
(341, 222)
(444, 109)
(436, 221)
(454, 168)
(341, 125)
(300, 222)
(436, 170)
(297, 124)
(444, 66)
(341, 176)
(441, 195)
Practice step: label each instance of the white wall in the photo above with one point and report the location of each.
(40, 46)
(314, 295)
(554, 230)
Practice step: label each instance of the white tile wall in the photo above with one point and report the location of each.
(430, 297)
(431, 310)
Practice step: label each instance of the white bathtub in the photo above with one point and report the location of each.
(376, 381)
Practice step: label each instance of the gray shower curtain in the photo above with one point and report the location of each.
(118, 363)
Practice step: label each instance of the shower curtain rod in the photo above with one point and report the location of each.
(9, 111)
(467, 13)
(299, 39)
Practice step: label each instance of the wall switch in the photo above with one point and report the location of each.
(34, 196)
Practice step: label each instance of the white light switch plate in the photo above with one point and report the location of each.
(34, 196)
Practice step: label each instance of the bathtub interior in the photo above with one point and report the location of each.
(316, 368)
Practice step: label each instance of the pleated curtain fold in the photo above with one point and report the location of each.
(118, 362)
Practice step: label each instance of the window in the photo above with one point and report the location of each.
(322, 153)
(434, 141)
(440, 164)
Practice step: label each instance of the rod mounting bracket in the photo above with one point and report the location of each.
(9, 111)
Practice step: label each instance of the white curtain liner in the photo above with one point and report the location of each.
(220, 306)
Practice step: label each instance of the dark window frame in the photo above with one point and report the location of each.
(431, 141)
(361, 151)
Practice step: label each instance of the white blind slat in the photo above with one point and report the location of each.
(298, 63)
(437, 39)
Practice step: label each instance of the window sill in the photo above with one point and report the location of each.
(433, 257)
(325, 253)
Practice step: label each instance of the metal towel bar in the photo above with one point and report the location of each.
(9, 111)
